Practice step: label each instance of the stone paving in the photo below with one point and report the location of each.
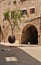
(19, 55)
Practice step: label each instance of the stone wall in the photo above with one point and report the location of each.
(30, 19)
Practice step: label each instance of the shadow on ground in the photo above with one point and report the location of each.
(22, 57)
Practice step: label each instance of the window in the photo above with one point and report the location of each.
(14, 2)
(32, 10)
(24, 12)
(9, 3)
(12, 14)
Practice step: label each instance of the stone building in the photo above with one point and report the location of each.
(30, 28)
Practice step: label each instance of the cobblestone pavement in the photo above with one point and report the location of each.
(18, 55)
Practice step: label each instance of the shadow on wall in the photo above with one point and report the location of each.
(29, 34)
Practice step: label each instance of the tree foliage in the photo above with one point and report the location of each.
(6, 15)
(17, 15)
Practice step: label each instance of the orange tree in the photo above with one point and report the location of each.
(17, 15)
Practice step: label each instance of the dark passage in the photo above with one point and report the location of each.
(30, 34)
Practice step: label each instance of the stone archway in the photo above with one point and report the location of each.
(29, 34)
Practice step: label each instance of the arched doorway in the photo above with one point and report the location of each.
(29, 34)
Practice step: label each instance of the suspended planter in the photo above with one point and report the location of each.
(17, 16)
(11, 39)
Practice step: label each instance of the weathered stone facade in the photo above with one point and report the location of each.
(31, 18)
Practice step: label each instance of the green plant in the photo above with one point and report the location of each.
(16, 19)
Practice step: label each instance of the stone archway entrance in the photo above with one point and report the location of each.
(29, 34)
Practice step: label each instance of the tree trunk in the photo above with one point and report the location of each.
(12, 32)
(11, 38)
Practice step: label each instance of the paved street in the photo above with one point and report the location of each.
(20, 55)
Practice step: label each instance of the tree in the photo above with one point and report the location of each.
(17, 15)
